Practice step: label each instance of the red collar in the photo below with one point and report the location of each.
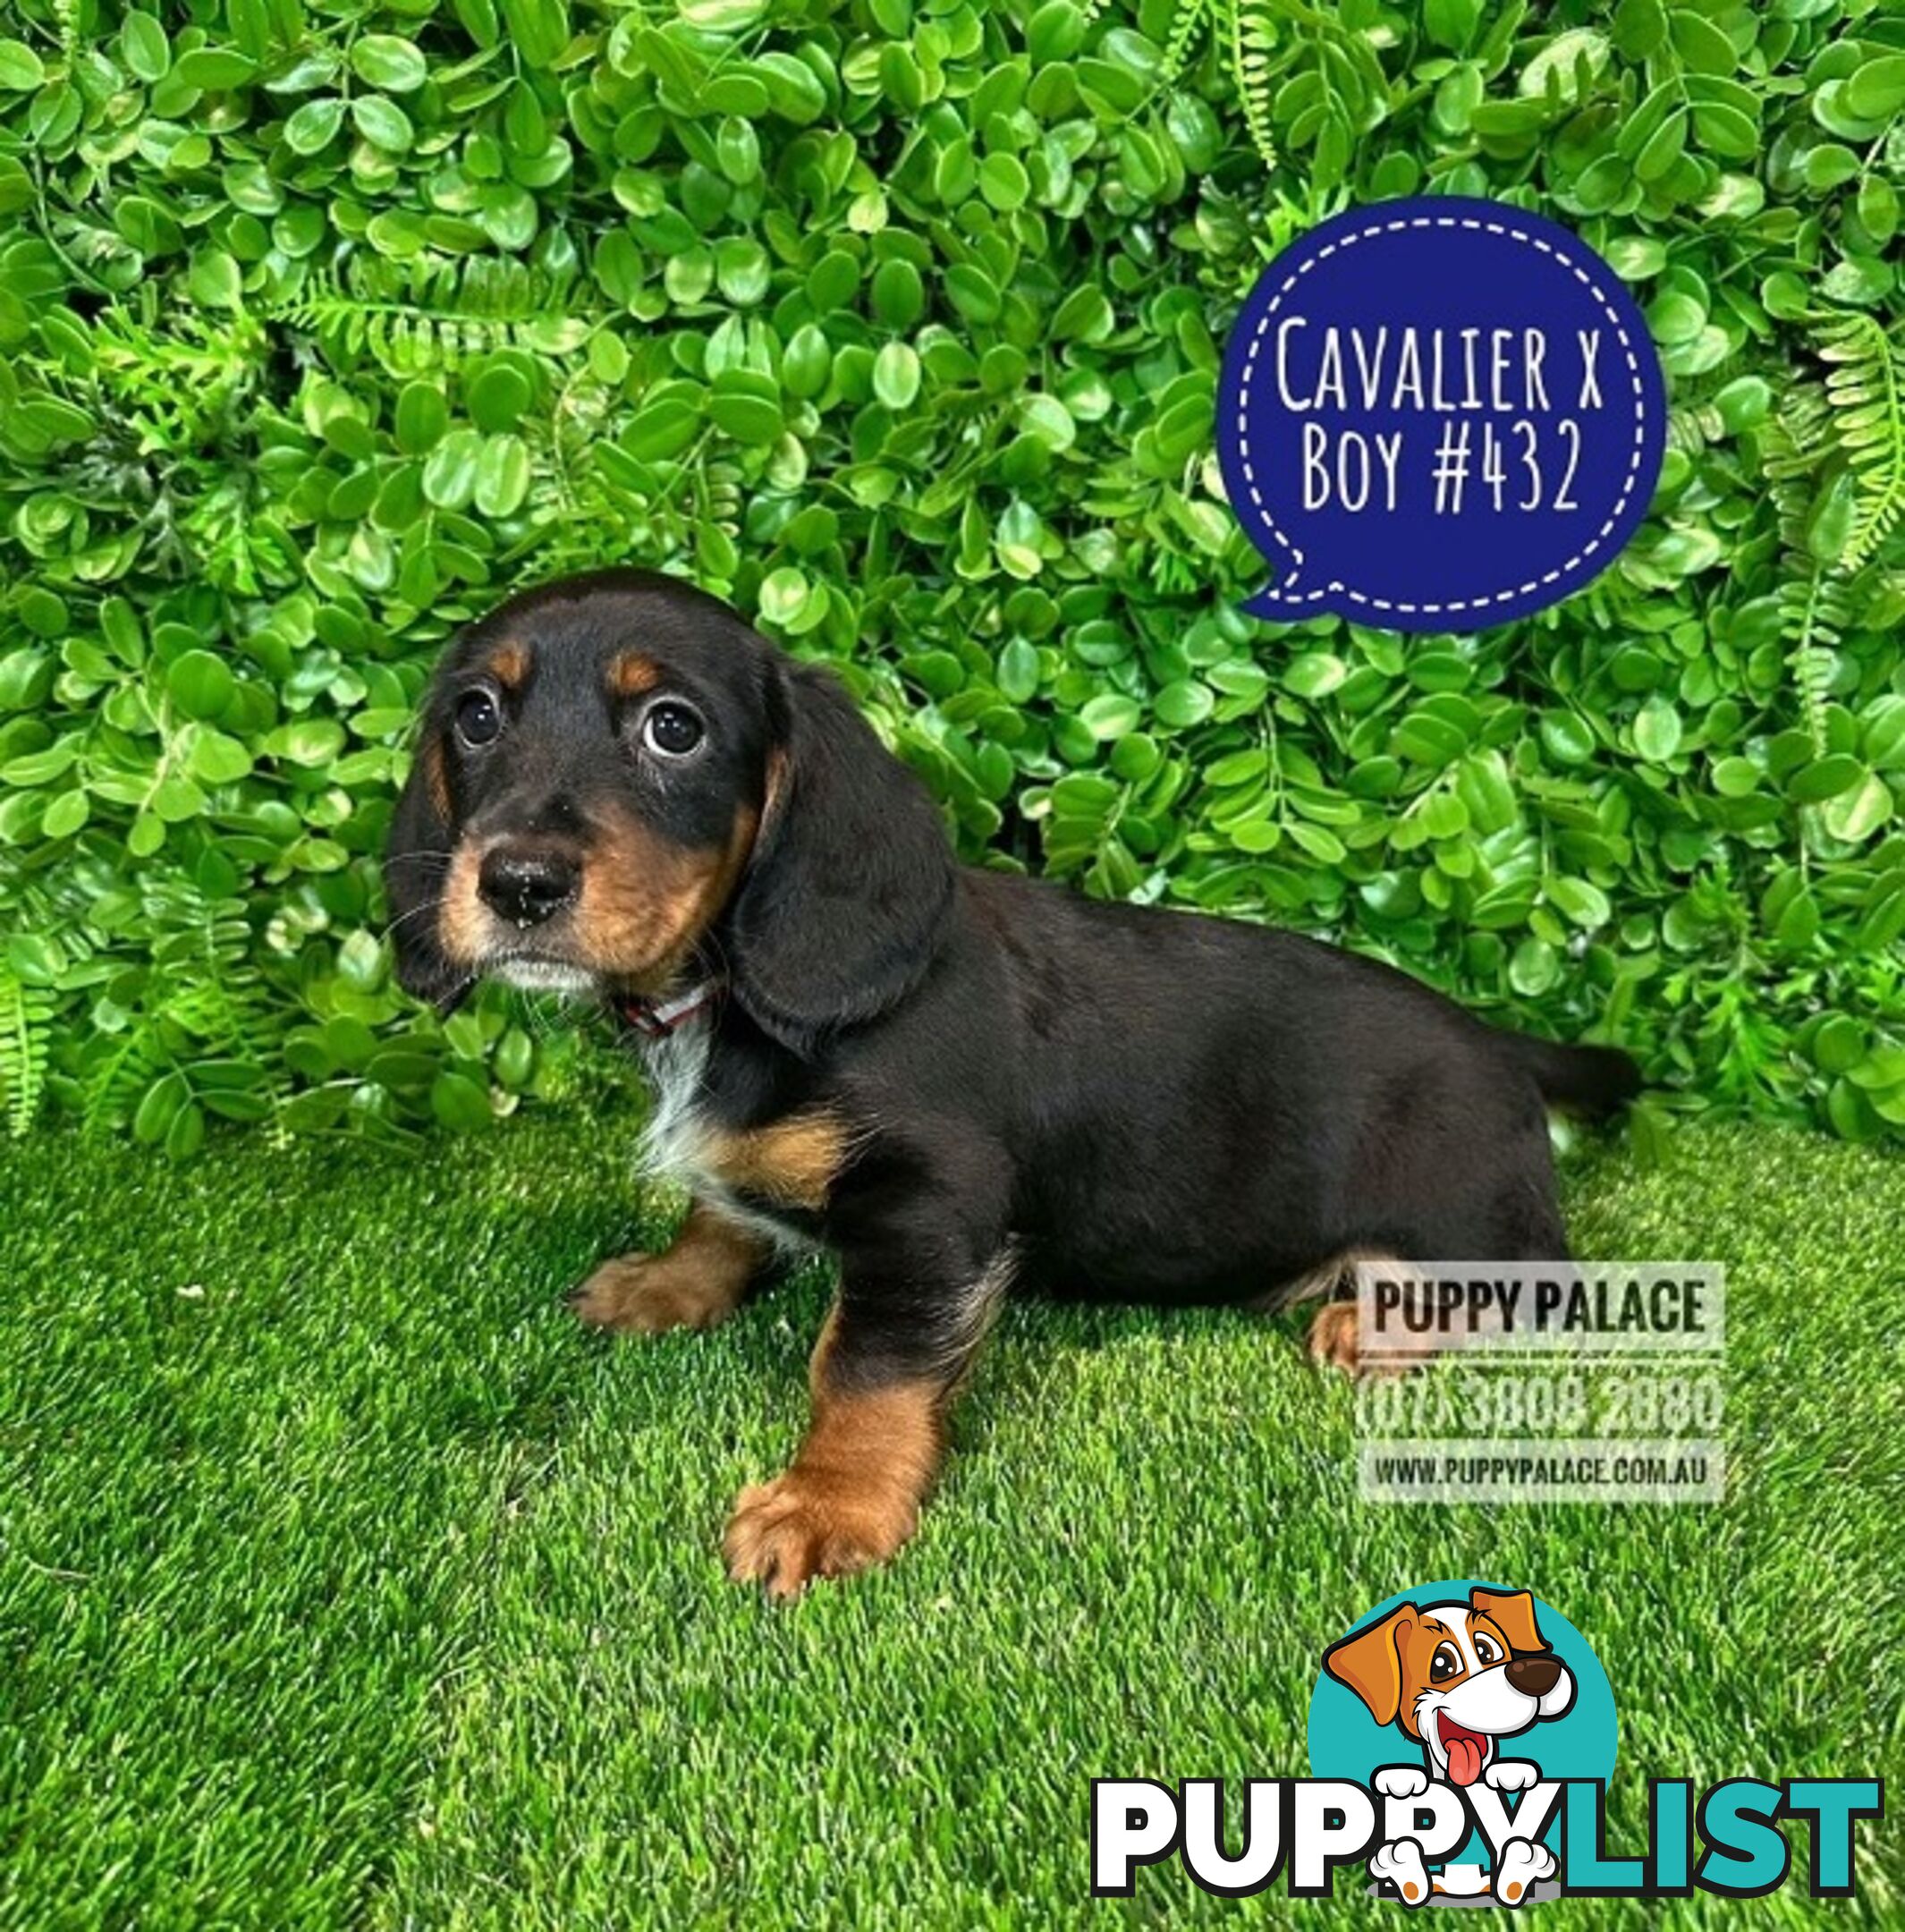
(659, 1017)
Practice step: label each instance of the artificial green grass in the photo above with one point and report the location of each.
(344, 1582)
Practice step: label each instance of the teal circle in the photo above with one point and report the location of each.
(1345, 1742)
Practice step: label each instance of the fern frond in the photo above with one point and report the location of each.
(1805, 471)
(188, 352)
(206, 1000)
(168, 394)
(1807, 622)
(1797, 444)
(1253, 46)
(26, 1014)
(121, 1076)
(417, 316)
(1865, 389)
(205, 945)
(1184, 24)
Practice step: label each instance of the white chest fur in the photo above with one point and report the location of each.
(674, 1142)
(677, 1143)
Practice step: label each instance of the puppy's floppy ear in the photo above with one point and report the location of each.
(1370, 1663)
(415, 863)
(846, 895)
(1514, 1612)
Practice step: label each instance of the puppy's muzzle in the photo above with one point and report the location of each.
(528, 883)
(1533, 1676)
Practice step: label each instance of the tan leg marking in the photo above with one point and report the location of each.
(696, 1284)
(1335, 1342)
(1335, 1339)
(791, 1162)
(853, 1494)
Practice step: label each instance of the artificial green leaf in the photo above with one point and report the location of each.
(389, 62)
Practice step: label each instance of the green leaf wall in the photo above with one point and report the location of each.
(323, 326)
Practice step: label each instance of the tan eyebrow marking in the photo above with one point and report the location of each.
(630, 675)
(508, 664)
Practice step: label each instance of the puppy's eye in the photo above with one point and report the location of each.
(478, 722)
(1445, 1664)
(671, 729)
(1487, 1648)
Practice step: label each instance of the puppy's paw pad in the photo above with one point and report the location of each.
(785, 1533)
(648, 1294)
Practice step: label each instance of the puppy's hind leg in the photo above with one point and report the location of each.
(1335, 1328)
(1336, 1338)
(697, 1282)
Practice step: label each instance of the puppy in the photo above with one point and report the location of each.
(956, 1079)
(1457, 1678)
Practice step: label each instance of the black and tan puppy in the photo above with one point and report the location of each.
(958, 1080)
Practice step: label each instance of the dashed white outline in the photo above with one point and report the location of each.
(1337, 588)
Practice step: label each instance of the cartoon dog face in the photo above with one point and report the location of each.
(1456, 1677)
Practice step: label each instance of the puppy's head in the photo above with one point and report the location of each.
(1456, 1676)
(619, 786)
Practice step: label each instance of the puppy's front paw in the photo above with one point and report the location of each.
(1522, 1863)
(807, 1524)
(1510, 1775)
(651, 1294)
(1401, 1781)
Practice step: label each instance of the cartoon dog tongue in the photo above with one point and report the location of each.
(1466, 1754)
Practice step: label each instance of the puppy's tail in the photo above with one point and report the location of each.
(1597, 1080)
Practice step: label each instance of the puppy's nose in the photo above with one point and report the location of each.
(526, 884)
(1535, 1675)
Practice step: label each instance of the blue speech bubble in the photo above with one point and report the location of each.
(1437, 414)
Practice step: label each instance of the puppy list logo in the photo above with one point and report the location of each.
(1461, 1736)
(1456, 1700)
